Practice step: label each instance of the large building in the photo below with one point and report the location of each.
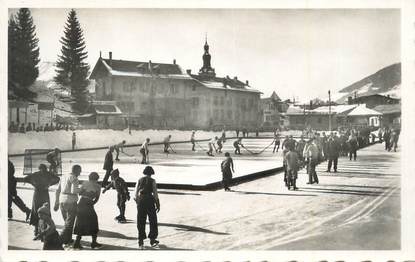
(272, 109)
(161, 95)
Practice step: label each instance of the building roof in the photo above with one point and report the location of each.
(295, 110)
(337, 109)
(388, 109)
(224, 83)
(362, 110)
(106, 108)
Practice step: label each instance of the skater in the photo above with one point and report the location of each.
(73, 140)
(211, 146)
(277, 142)
(41, 181)
(148, 204)
(119, 147)
(53, 158)
(333, 152)
(227, 170)
(220, 145)
(223, 136)
(86, 223)
(144, 151)
(192, 140)
(237, 132)
(123, 195)
(47, 230)
(292, 165)
(108, 165)
(167, 144)
(237, 145)
(313, 156)
(12, 195)
(353, 145)
(66, 199)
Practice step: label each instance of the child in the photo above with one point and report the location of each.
(227, 169)
(122, 193)
(47, 230)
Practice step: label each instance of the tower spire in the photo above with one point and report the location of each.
(206, 69)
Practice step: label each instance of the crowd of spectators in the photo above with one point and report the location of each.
(32, 127)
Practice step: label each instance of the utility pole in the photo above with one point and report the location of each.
(329, 111)
(129, 111)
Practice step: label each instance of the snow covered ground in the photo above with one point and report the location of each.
(357, 208)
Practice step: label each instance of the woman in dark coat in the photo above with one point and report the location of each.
(86, 223)
(41, 181)
(227, 169)
(148, 204)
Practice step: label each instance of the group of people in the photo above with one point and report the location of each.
(76, 202)
(29, 127)
(390, 137)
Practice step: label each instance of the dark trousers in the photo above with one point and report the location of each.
(352, 152)
(145, 207)
(73, 145)
(166, 147)
(193, 144)
(14, 198)
(226, 180)
(312, 174)
(237, 150)
(106, 177)
(68, 211)
(117, 153)
(277, 146)
(144, 157)
(332, 160)
(121, 199)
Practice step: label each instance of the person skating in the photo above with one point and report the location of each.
(47, 230)
(211, 146)
(313, 156)
(223, 135)
(166, 143)
(119, 148)
(192, 140)
(148, 204)
(227, 169)
(86, 223)
(66, 198)
(292, 166)
(237, 144)
(277, 142)
(219, 142)
(53, 159)
(41, 181)
(333, 152)
(123, 195)
(73, 140)
(108, 165)
(12, 194)
(144, 151)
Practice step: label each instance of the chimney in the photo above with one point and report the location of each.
(110, 56)
(189, 71)
(174, 61)
(100, 54)
(235, 78)
(247, 82)
(150, 66)
(227, 77)
(349, 100)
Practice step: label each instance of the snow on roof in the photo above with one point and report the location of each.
(219, 85)
(362, 110)
(137, 74)
(388, 109)
(106, 108)
(294, 110)
(337, 109)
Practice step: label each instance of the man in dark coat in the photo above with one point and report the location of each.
(108, 165)
(227, 169)
(333, 152)
(12, 195)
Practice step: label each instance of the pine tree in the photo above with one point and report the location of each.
(72, 70)
(24, 52)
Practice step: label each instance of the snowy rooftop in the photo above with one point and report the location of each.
(338, 109)
(362, 110)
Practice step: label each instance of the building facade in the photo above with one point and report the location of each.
(272, 109)
(156, 95)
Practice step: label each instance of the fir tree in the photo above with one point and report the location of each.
(24, 52)
(72, 70)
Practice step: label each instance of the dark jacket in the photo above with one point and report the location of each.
(333, 148)
(109, 161)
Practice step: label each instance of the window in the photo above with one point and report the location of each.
(125, 87)
(222, 114)
(215, 101)
(243, 104)
(216, 114)
(230, 101)
(195, 101)
(230, 114)
(222, 101)
(251, 103)
(173, 89)
(193, 88)
(319, 120)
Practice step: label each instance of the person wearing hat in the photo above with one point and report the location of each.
(227, 169)
(66, 199)
(41, 181)
(148, 204)
(86, 223)
(12, 194)
(313, 156)
(292, 167)
(123, 195)
(144, 151)
(108, 165)
(192, 140)
(47, 230)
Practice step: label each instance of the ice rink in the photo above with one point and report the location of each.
(182, 166)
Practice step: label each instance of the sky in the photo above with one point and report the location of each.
(298, 53)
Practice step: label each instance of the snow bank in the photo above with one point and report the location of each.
(18, 142)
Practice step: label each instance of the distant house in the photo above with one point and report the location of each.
(373, 100)
(271, 109)
(24, 112)
(363, 116)
(391, 114)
